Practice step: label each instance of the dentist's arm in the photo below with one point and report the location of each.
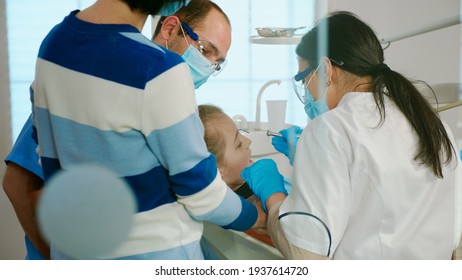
(175, 134)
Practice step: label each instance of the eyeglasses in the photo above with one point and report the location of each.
(207, 49)
(298, 82)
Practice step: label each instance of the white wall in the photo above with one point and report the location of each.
(433, 57)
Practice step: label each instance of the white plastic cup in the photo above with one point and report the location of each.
(276, 114)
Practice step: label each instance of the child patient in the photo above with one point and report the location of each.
(232, 152)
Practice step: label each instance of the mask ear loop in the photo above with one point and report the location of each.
(328, 83)
(184, 35)
(312, 76)
(309, 81)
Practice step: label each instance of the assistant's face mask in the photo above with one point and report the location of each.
(314, 108)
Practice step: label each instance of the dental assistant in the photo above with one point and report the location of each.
(375, 177)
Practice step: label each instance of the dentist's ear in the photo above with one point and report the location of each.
(170, 28)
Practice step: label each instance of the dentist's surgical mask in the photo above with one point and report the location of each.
(171, 7)
(200, 66)
(312, 108)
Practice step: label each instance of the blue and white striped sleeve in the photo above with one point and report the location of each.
(175, 134)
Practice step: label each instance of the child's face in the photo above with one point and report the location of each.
(236, 155)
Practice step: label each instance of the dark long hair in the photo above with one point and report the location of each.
(354, 43)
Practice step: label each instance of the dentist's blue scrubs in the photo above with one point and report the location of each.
(23, 154)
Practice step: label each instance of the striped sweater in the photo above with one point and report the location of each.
(105, 94)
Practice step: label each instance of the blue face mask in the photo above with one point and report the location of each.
(201, 68)
(314, 108)
(171, 8)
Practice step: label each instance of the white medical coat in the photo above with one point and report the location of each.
(361, 194)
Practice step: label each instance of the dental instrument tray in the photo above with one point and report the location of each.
(277, 31)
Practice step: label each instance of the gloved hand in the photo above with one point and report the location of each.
(288, 142)
(264, 179)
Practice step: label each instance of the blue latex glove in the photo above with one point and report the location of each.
(264, 179)
(288, 142)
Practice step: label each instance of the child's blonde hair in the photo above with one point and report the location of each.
(209, 114)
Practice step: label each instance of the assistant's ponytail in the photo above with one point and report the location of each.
(435, 147)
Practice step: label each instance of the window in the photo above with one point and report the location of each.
(250, 65)
(235, 89)
(25, 33)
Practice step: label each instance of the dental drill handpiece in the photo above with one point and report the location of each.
(272, 133)
(276, 134)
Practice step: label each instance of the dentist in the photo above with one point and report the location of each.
(201, 33)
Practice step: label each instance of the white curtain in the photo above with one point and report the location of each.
(11, 234)
(5, 112)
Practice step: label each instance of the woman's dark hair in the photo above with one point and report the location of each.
(353, 43)
(150, 7)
